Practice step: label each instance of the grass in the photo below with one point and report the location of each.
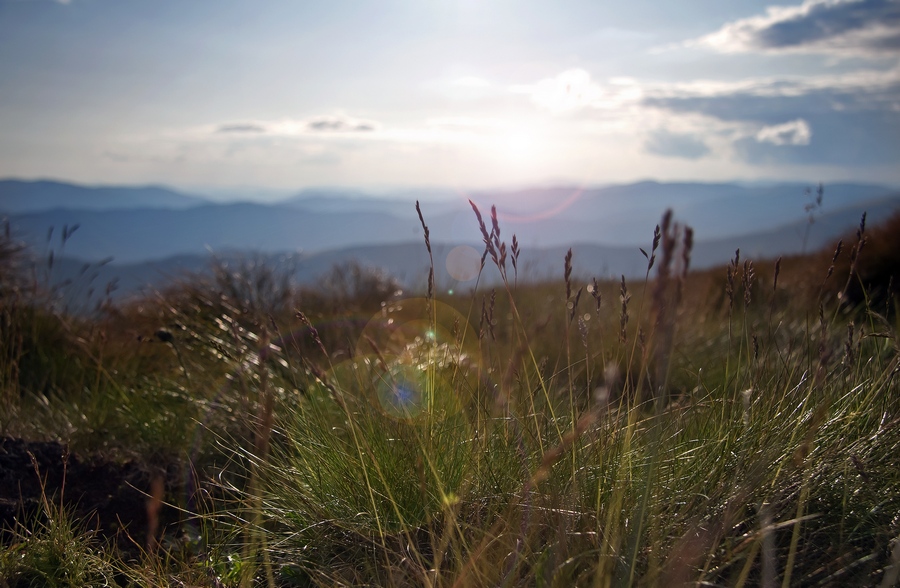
(728, 427)
(54, 552)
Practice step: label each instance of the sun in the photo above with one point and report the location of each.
(518, 146)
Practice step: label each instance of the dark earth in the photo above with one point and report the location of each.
(108, 497)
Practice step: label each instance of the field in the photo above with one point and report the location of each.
(732, 427)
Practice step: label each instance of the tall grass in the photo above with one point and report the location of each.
(735, 427)
(743, 444)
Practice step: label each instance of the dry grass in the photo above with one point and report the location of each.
(727, 427)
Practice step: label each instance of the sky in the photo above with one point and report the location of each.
(232, 95)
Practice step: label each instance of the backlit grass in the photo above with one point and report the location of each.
(731, 427)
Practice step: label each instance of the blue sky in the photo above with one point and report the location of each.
(229, 94)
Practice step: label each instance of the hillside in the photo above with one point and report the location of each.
(21, 197)
(408, 261)
(615, 216)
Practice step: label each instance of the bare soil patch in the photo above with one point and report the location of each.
(110, 497)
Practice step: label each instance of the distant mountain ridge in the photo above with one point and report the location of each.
(605, 226)
(137, 235)
(20, 197)
(409, 261)
(616, 216)
(714, 210)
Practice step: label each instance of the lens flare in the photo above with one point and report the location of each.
(427, 356)
(403, 392)
(463, 263)
(532, 210)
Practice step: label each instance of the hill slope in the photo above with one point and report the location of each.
(20, 197)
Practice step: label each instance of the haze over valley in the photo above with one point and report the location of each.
(148, 236)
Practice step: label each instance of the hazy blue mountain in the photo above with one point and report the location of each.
(86, 283)
(141, 235)
(623, 214)
(17, 197)
(399, 203)
(619, 214)
(320, 222)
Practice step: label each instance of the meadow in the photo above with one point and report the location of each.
(732, 427)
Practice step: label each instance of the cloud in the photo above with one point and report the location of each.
(840, 139)
(319, 125)
(574, 90)
(795, 132)
(856, 119)
(775, 100)
(339, 124)
(770, 100)
(669, 144)
(241, 128)
(839, 120)
(848, 27)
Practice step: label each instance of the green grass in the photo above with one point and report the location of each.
(55, 552)
(736, 431)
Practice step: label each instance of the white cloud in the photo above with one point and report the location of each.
(340, 124)
(861, 82)
(568, 91)
(749, 120)
(816, 26)
(795, 132)
(574, 90)
(318, 125)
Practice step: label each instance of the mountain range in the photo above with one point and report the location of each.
(20, 197)
(154, 234)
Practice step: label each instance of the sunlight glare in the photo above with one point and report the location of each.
(519, 147)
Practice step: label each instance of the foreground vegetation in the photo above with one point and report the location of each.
(724, 428)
